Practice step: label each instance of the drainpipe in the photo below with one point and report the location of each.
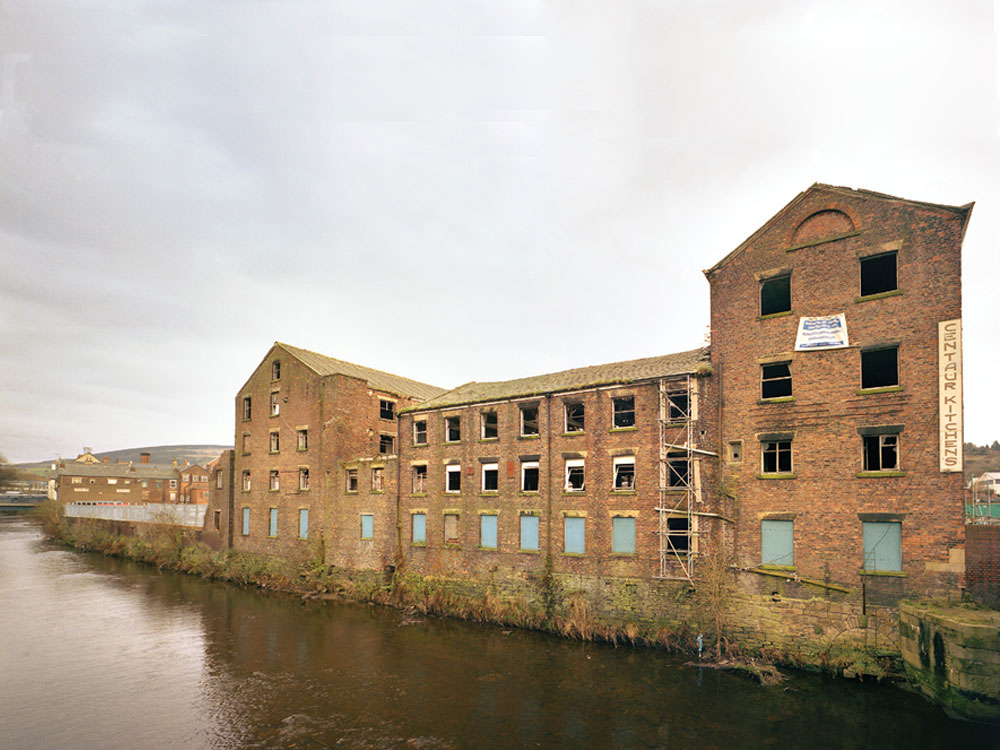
(551, 474)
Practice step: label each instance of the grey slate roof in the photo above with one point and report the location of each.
(631, 371)
(381, 381)
(136, 471)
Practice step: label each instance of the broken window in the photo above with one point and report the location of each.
(678, 469)
(385, 444)
(529, 476)
(678, 406)
(574, 475)
(352, 480)
(491, 476)
(878, 274)
(775, 295)
(880, 367)
(273, 480)
(452, 429)
(529, 420)
(276, 370)
(420, 432)
(246, 407)
(574, 417)
(881, 453)
(623, 411)
(624, 472)
(777, 457)
(489, 424)
(275, 406)
(453, 478)
(386, 409)
(451, 528)
(303, 439)
(377, 479)
(274, 442)
(775, 380)
(679, 535)
(420, 479)
(303, 479)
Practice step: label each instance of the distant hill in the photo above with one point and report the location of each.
(158, 454)
(981, 458)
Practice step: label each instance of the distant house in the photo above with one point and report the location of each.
(88, 478)
(985, 485)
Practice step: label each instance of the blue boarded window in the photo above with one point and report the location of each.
(488, 531)
(529, 533)
(623, 536)
(882, 545)
(419, 528)
(777, 543)
(367, 526)
(575, 535)
(272, 522)
(246, 522)
(303, 523)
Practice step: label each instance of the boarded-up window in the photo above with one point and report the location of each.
(419, 533)
(367, 526)
(246, 522)
(882, 546)
(451, 528)
(488, 531)
(623, 536)
(574, 530)
(529, 533)
(777, 543)
(303, 523)
(272, 522)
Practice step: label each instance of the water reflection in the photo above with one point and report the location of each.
(112, 654)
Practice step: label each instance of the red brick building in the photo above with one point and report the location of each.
(815, 440)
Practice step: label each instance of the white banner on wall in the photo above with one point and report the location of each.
(950, 393)
(826, 332)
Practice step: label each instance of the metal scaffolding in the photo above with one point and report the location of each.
(678, 483)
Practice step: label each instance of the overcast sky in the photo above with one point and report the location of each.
(451, 191)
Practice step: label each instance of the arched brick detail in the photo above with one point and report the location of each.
(827, 222)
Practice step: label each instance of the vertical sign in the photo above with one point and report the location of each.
(950, 393)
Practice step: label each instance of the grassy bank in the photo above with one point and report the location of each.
(550, 608)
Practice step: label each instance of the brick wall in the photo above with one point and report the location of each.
(982, 563)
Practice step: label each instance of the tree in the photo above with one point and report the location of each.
(8, 473)
(995, 446)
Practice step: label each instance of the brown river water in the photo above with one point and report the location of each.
(104, 653)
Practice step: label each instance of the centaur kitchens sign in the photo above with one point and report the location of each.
(950, 393)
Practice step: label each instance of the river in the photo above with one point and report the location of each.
(104, 653)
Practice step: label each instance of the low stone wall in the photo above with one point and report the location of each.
(953, 654)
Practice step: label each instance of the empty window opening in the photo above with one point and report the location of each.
(678, 469)
(623, 411)
(303, 479)
(276, 370)
(302, 436)
(273, 481)
(386, 409)
(881, 453)
(624, 471)
(217, 520)
(275, 442)
(529, 420)
(880, 367)
(777, 457)
(451, 528)
(247, 407)
(491, 476)
(775, 295)
(218, 480)
(678, 406)
(574, 475)
(275, 406)
(452, 429)
(878, 274)
(678, 535)
(574, 418)
(489, 422)
(775, 380)
(377, 479)
(420, 479)
(420, 432)
(352, 480)
(453, 478)
(529, 476)
(246, 442)
(385, 444)
(246, 481)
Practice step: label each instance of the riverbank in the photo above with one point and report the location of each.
(710, 622)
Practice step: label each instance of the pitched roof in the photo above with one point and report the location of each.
(631, 371)
(962, 211)
(133, 471)
(381, 381)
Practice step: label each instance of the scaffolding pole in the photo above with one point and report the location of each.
(676, 545)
